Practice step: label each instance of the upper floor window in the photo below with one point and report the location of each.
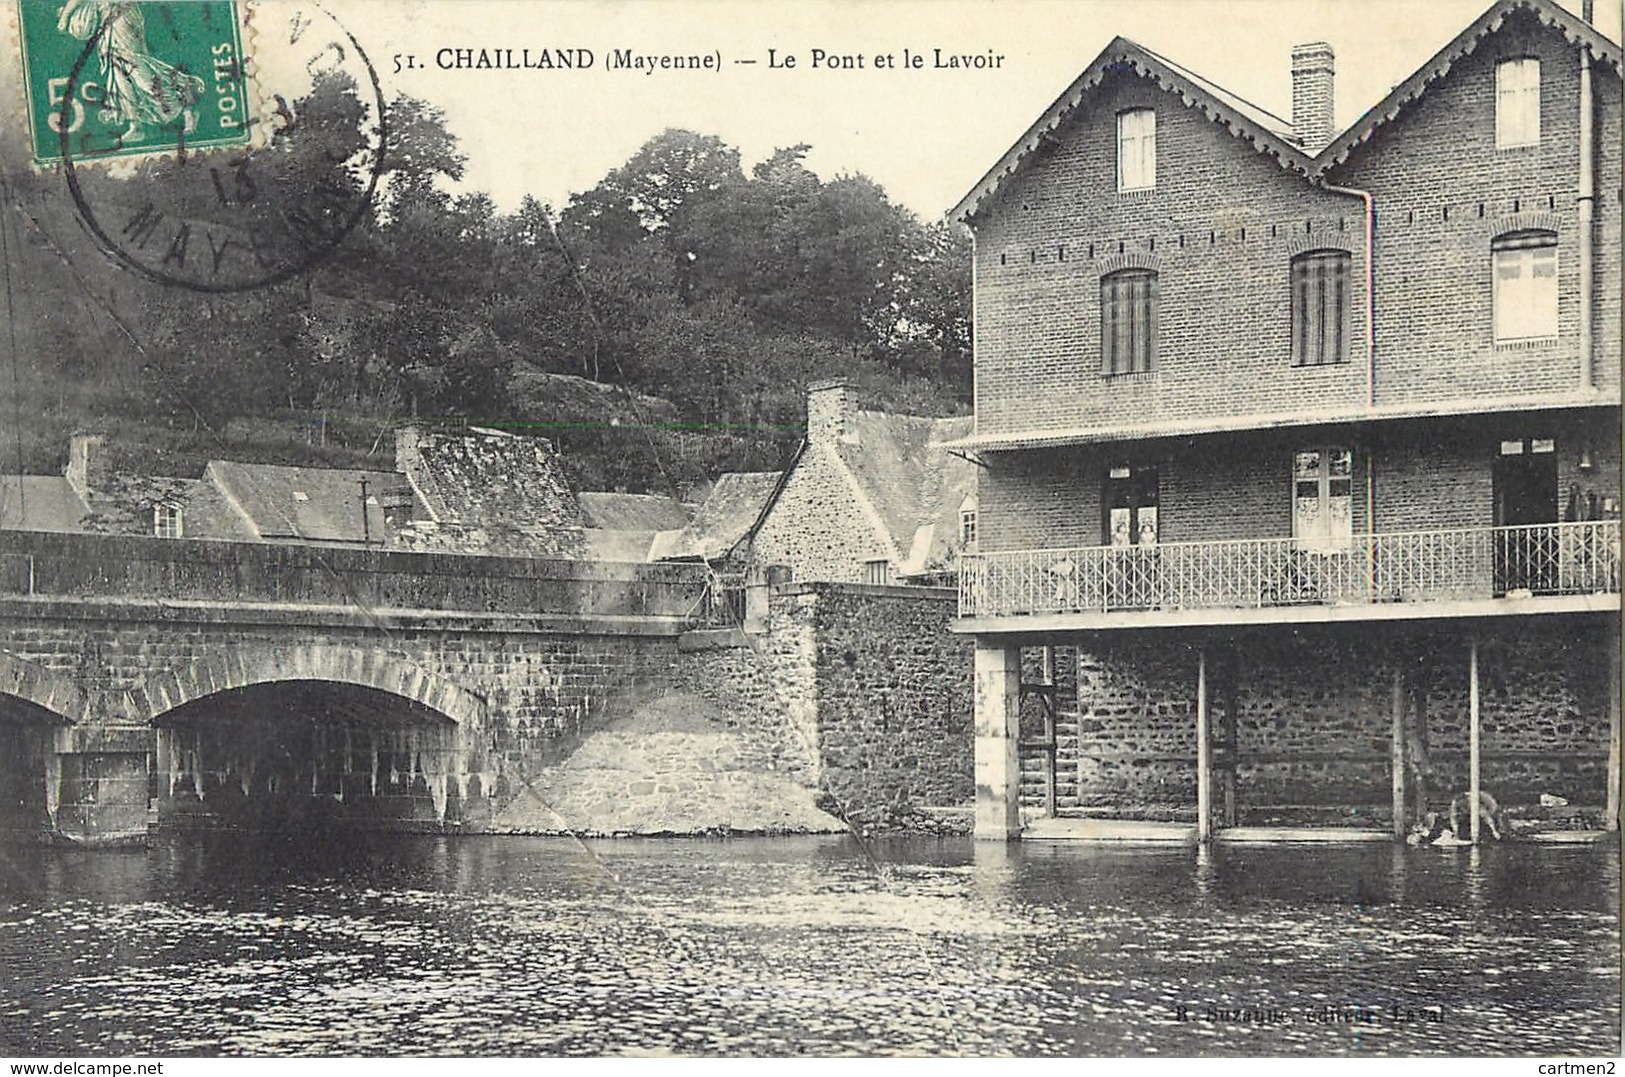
(1128, 321)
(1320, 308)
(1525, 267)
(1323, 498)
(166, 521)
(1517, 103)
(1136, 150)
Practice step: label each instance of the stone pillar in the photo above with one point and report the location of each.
(101, 793)
(998, 727)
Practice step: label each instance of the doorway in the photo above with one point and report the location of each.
(1524, 486)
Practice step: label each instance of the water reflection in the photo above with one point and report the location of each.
(265, 944)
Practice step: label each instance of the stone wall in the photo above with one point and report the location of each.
(255, 712)
(893, 691)
(1313, 715)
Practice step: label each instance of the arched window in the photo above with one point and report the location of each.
(1525, 268)
(1320, 308)
(1128, 321)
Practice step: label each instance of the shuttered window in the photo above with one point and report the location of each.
(1525, 268)
(1320, 308)
(1136, 149)
(1517, 103)
(1128, 321)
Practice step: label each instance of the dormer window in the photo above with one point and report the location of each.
(1517, 103)
(1136, 150)
(166, 521)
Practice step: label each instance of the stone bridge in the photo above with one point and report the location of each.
(251, 682)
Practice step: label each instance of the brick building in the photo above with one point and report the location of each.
(1301, 450)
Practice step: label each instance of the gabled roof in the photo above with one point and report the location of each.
(40, 503)
(735, 503)
(1267, 132)
(488, 478)
(313, 504)
(1575, 29)
(632, 512)
(617, 545)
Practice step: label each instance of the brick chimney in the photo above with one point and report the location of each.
(1312, 71)
(829, 411)
(88, 467)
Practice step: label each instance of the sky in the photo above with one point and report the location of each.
(926, 134)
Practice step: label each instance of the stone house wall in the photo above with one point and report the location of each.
(818, 525)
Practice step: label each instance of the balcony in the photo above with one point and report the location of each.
(1396, 575)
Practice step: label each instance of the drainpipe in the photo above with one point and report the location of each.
(1586, 200)
(1370, 286)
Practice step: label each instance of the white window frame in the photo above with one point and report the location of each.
(1517, 103)
(167, 521)
(967, 529)
(1137, 149)
(1523, 271)
(877, 572)
(1323, 537)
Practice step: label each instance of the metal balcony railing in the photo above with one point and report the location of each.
(1410, 566)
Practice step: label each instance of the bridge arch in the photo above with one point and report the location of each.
(44, 688)
(223, 670)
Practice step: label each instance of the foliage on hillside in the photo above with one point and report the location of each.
(707, 297)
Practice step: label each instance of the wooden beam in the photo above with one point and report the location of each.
(1397, 738)
(1611, 822)
(1472, 740)
(1047, 705)
(1232, 751)
(1204, 762)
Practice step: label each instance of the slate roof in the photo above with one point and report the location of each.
(632, 512)
(40, 503)
(1574, 29)
(330, 508)
(612, 545)
(915, 484)
(487, 478)
(1266, 132)
(735, 503)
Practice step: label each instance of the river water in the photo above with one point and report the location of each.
(233, 944)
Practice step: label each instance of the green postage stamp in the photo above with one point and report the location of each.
(109, 79)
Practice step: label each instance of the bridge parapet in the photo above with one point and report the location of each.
(37, 564)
